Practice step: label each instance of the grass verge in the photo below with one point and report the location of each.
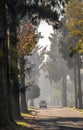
(21, 123)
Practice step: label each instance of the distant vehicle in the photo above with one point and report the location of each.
(43, 104)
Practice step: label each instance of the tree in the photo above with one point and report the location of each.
(26, 42)
(74, 24)
(33, 92)
(5, 106)
(13, 17)
(57, 63)
(12, 45)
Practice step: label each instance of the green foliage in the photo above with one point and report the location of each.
(23, 124)
(79, 46)
(36, 10)
(13, 67)
(72, 51)
(13, 52)
(74, 24)
(13, 61)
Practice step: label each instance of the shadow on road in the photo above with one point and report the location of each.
(59, 123)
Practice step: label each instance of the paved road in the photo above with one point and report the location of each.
(58, 119)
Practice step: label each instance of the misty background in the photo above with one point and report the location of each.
(48, 71)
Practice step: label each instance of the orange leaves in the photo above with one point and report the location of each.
(26, 38)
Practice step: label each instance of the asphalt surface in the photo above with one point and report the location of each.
(57, 119)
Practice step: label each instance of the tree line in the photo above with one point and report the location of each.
(11, 12)
(13, 47)
(69, 40)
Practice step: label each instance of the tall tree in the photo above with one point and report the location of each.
(13, 20)
(14, 66)
(75, 26)
(56, 66)
(4, 69)
(26, 42)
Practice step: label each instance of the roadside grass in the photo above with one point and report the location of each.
(80, 110)
(26, 115)
(73, 108)
(31, 108)
(21, 123)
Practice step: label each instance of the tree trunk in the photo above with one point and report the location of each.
(4, 106)
(14, 71)
(79, 84)
(23, 105)
(5, 115)
(75, 82)
(64, 91)
(15, 100)
(78, 93)
(32, 102)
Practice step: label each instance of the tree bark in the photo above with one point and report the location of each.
(75, 82)
(5, 115)
(64, 91)
(13, 72)
(79, 85)
(32, 102)
(15, 100)
(4, 106)
(23, 104)
(78, 93)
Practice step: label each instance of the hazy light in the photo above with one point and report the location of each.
(45, 30)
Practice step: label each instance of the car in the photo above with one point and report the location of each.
(43, 104)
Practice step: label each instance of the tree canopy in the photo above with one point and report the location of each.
(26, 38)
(74, 15)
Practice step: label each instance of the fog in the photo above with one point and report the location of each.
(49, 71)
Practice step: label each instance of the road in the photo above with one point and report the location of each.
(58, 119)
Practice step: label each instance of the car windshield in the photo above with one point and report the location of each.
(43, 102)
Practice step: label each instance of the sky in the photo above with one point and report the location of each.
(45, 30)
